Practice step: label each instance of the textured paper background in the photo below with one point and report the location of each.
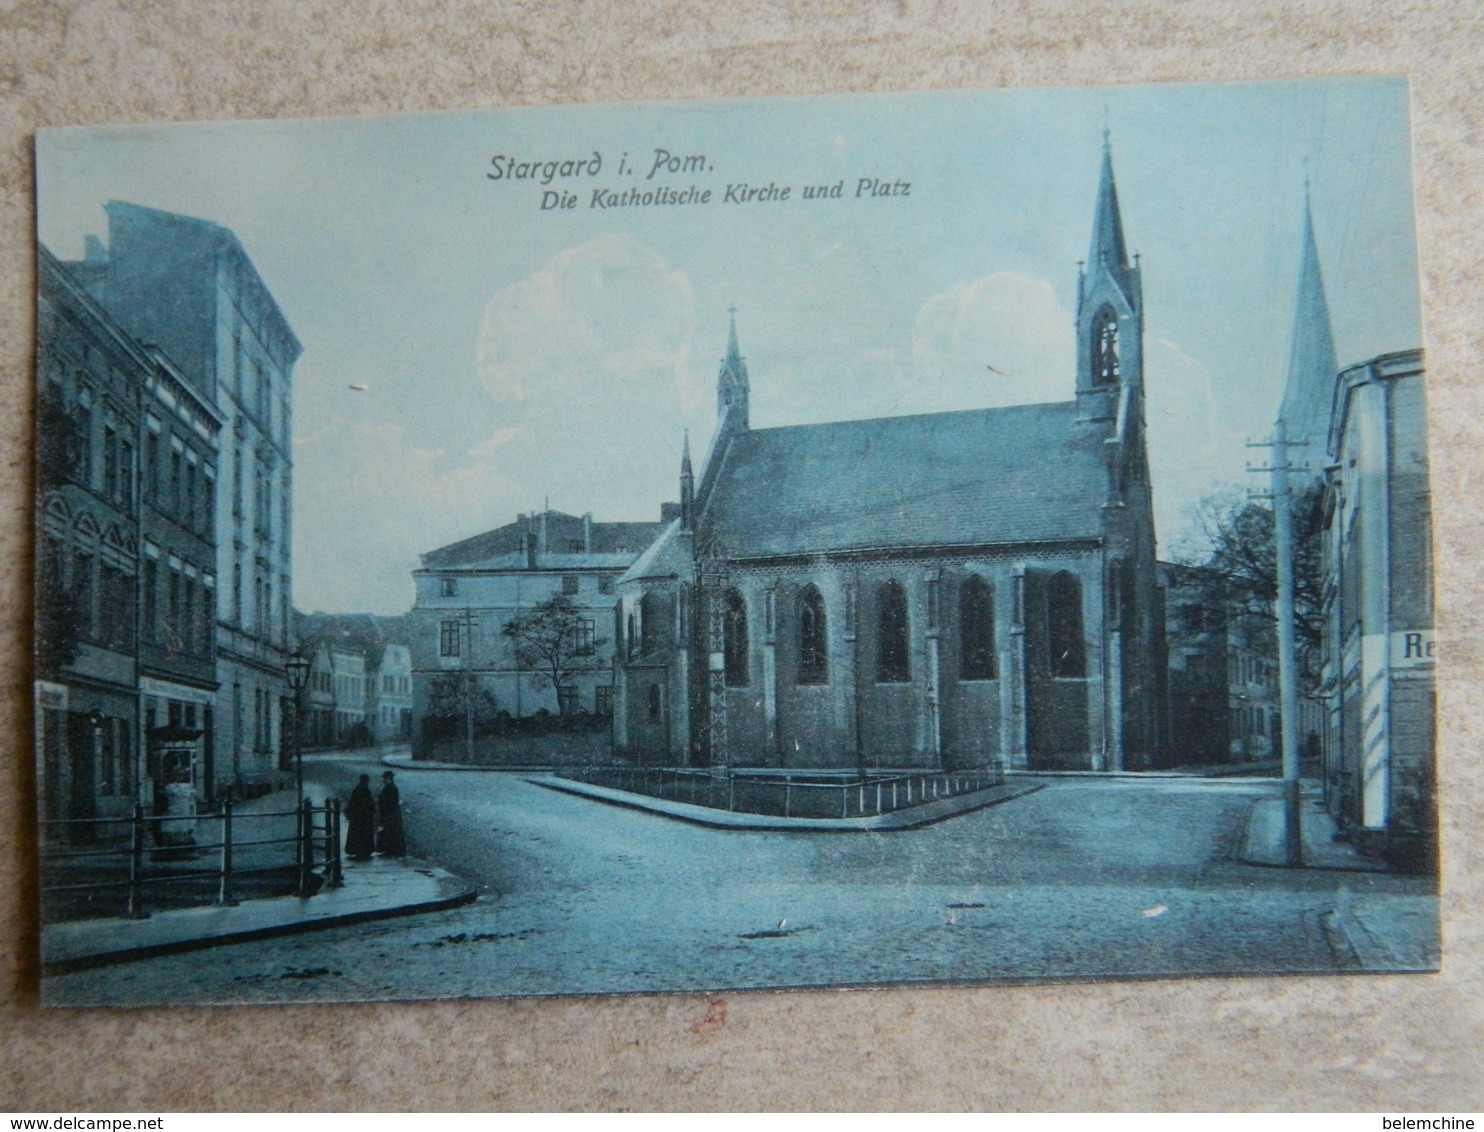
(1348, 1043)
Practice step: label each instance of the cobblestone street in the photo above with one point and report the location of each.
(1086, 878)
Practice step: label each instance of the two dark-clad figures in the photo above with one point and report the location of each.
(374, 824)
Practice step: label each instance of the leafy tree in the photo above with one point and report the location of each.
(556, 639)
(1234, 538)
(448, 693)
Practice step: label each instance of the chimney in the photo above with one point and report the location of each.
(669, 512)
(541, 547)
(587, 532)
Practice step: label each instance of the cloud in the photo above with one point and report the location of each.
(1000, 340)
(1194, 445)
(586, 362)
(597, 321)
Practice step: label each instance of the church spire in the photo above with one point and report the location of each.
(1110, 307)
(731, 382)
(1311, 354)
(1108, 249)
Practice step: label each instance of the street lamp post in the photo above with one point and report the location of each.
(296, 668)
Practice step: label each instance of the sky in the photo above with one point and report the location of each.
(514, 355)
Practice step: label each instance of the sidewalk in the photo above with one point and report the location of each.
(407, 762)
(1264, 843)
(373, 890)
(912, 817)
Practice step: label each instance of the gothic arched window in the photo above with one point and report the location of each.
(734, 639)
(892, 665)
(814, 657)
(976, 630)
(1105, 347)
(649, 624)
(1064, 625)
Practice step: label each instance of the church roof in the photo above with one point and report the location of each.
(669, 556)
(1026, 473)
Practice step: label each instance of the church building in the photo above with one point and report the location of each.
(939, 591)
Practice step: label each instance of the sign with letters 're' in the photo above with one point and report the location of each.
(1412, 648)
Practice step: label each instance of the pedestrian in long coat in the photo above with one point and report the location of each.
(389, 839)
(360, 821)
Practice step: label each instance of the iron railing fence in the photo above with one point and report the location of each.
(779, 794)
(125, 862)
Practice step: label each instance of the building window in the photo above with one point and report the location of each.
(188, 616)
(605, 584)
(189, 517)
(892, 665)
(734, 639)
(82, 452)
(584, 637)
(448, 587)
(238, 472)
(110, 462)
(604, 701)
(569, 699)
(1105, 347)
(151, 469)
(151, 585)
(656, 703)
(814, 657)
(82, 591)
(569, 583)
(976, 630)
(448, 638)
(1064, 625)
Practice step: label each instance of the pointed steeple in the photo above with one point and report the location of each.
(731, 383)
(687, 486)
(1309, 390)
(1108, 249)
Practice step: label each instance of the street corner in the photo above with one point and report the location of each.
(380, 888)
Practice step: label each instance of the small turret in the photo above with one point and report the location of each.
(731, 381)
(687, 487)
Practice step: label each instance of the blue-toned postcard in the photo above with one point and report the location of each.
(950, 538)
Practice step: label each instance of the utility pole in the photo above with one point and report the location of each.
(1281, 496)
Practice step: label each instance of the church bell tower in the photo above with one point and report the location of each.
(1110, 309)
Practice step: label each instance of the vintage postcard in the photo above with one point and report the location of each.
(959, 537)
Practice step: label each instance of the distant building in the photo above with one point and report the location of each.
(937, 591)
(319, 696)
(188, 288)
(126, 564)
(359, 687)
(348, 678)
(1380, 774)
(389, 694)
(468, 591)
(1223, 678)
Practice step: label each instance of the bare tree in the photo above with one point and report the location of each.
(1233, 537)
(556, 639)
